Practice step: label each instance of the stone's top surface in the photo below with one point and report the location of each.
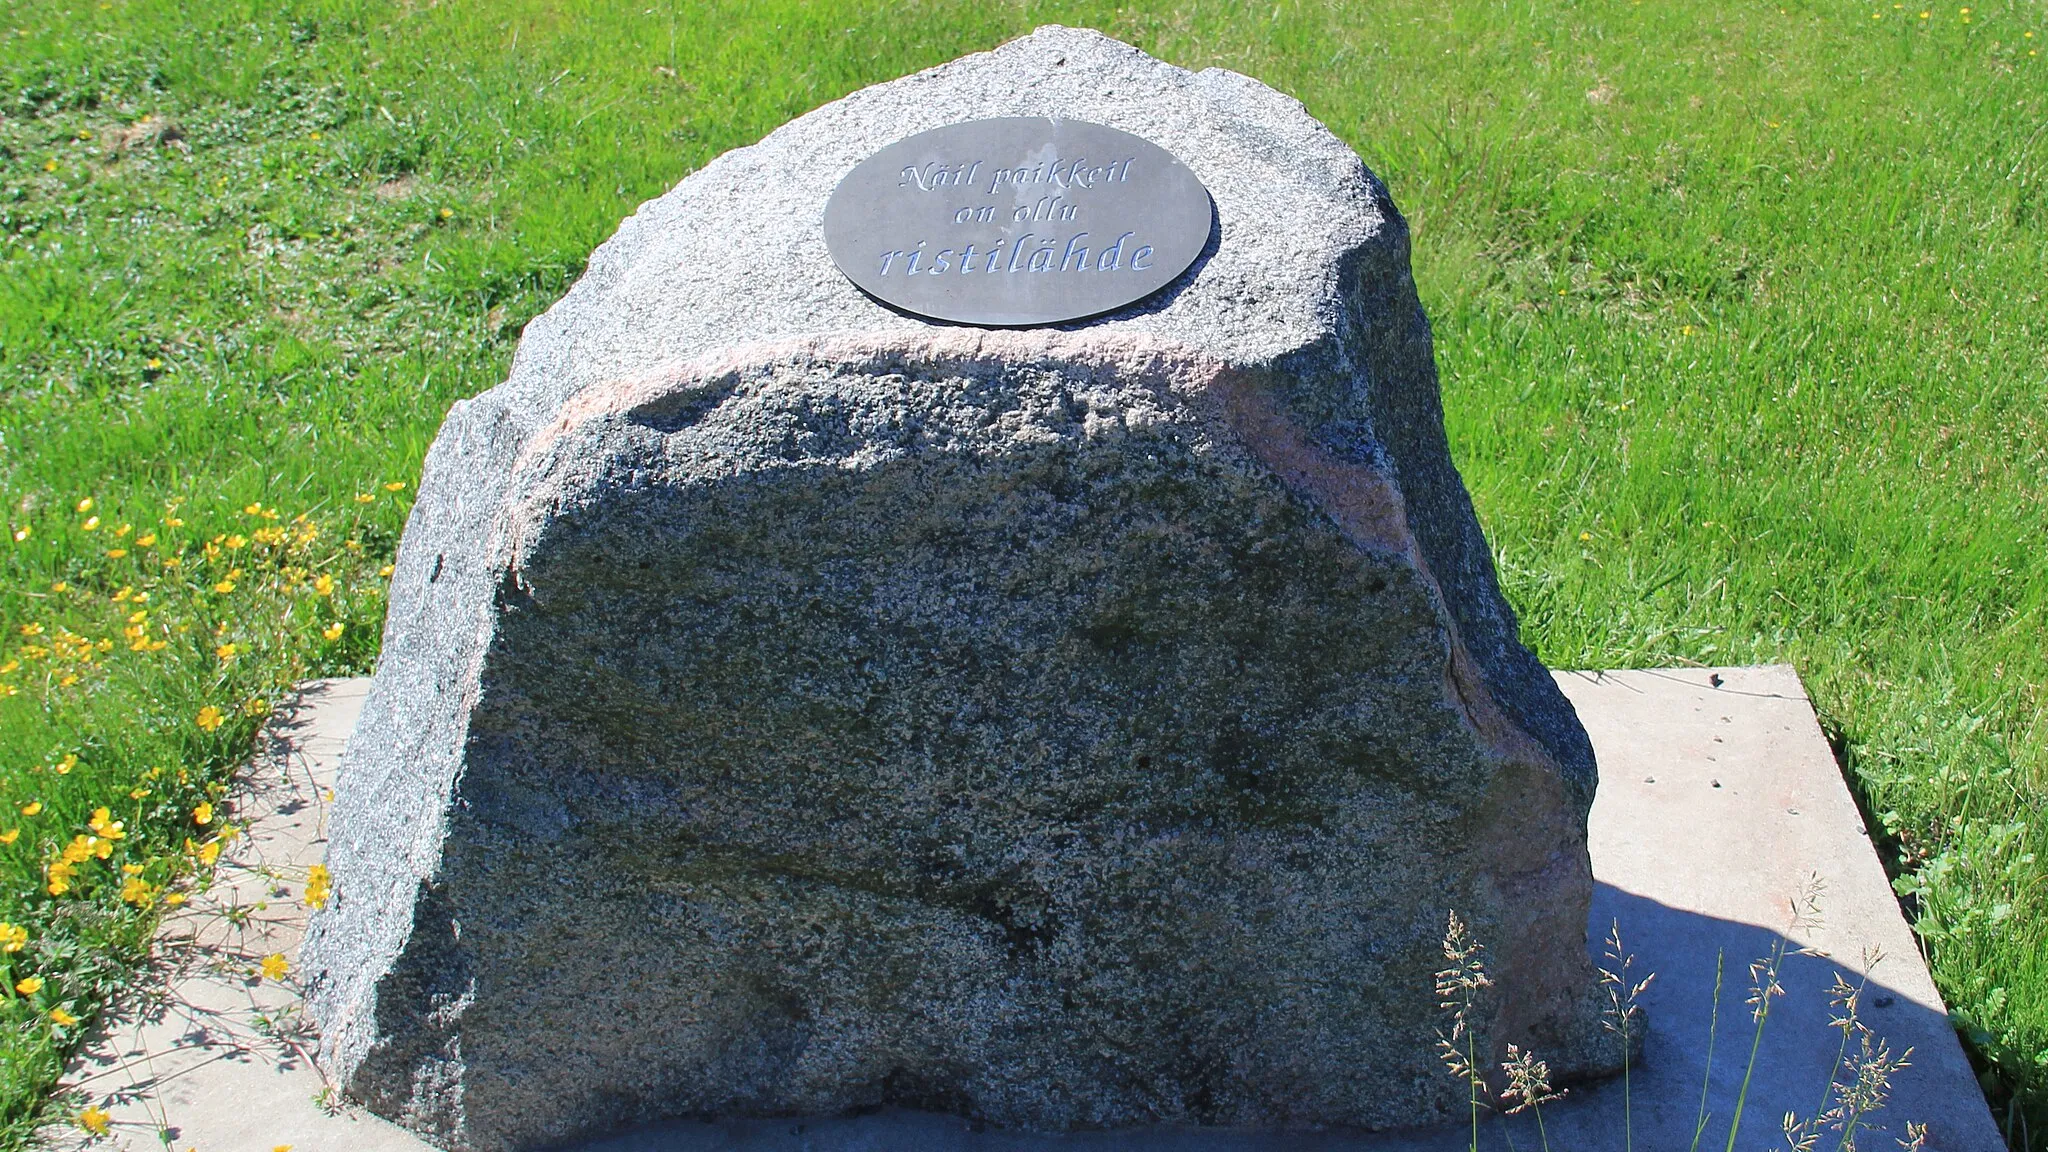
(738, 247)
(1017, 221)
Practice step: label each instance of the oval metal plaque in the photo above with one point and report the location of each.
(1017, 221)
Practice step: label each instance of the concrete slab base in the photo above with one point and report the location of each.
(1723, 833)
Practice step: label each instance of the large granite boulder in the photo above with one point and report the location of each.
(790, 706)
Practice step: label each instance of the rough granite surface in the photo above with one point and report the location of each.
(789, 706)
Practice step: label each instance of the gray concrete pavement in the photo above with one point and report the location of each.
(1720, 806)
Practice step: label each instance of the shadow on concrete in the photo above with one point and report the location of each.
(1661, 1108)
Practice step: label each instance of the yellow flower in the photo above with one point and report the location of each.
(10, 836)
(138, 892)
(317, 881)
(138, 616)
(60, 587)
(137, 793)
(204, 813)
(116, 553)
(175, 899)
(237, 541)
(32, 807)
(209, 852)
(332, 632)
(79, 850)
(126, 594)
(60, 875)
(226, 652)
(154, 364)
(105, 825)
(85, 506)
(13, 937)
(275, 966)
(224, 587)
(366, 497)
(132, 869)
(145, 540)
(173, 522)
(124, 529)
(31, 629)
(385, 571)
(10, 666)
(255, 509)
(50, 165)
(94, 1120)
(69, 762)
(210, 718)
(324, 584)
(395, 486)
(61, 1018)
(30, 986)
(91, 524)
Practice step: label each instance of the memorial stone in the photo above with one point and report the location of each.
(796, 698)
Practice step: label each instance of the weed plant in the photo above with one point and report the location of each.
(1858, 1083)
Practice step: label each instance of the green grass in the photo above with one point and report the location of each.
(1739, 310)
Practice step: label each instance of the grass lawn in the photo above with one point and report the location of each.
(1739, 310)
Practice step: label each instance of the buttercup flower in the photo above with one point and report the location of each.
(317, 881)
(105, 825)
